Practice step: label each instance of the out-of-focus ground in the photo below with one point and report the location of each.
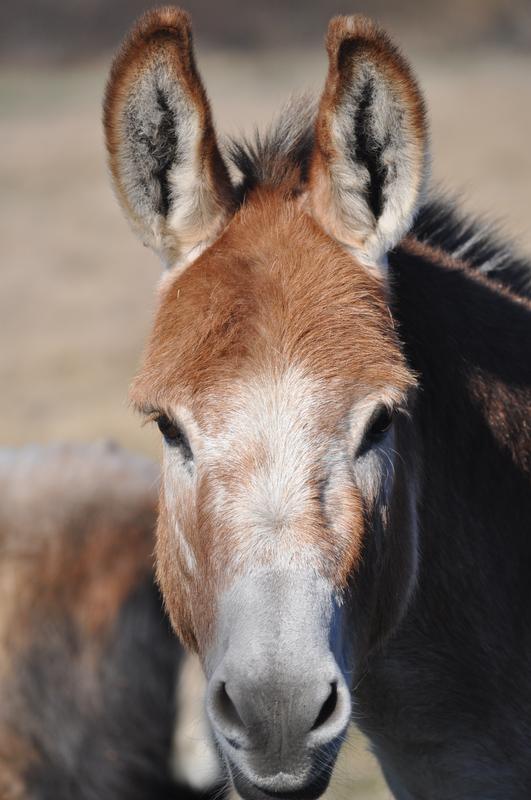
(76, 288)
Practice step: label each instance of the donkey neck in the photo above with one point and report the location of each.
(469, 341)
(447, 683)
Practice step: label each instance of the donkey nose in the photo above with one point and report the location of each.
(279, 716)
(277, 699)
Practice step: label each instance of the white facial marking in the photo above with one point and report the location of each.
(173, 492)
(274, 421)
(275, 449)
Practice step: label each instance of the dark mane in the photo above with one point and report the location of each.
(274, 157)
(280, 155)
(441, 224)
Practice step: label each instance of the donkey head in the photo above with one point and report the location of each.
(286, 537)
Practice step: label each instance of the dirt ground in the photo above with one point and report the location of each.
(76, 293)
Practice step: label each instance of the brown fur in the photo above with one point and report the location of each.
(74, 558)
(274, 286)
(16, 757)
(273, 291)
(76, 540)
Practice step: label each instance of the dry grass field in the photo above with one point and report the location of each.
(76, 289)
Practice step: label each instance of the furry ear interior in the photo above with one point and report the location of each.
(167, 170)
(369, 163)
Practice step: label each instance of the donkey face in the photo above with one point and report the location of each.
(286, 536)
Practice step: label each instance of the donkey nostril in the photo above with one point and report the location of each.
(328, 707)
(226, 708)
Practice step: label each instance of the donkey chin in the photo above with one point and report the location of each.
(278, 699)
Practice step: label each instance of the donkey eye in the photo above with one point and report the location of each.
(174, 436)
(378, 427)
(381, 423)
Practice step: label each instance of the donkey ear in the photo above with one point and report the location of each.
(369, 163)
(165, 163)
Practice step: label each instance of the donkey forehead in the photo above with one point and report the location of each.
(274, 296)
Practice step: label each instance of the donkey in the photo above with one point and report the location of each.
(88, 662)
(340, 370)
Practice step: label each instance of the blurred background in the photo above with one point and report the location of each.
(76, 289)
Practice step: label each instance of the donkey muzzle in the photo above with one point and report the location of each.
(277, 698)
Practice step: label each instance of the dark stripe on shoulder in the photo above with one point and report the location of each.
(441, 224)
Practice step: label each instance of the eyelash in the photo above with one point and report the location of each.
(174, 436)
(378, 427)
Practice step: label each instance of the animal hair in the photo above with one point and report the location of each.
(282, 152)
(88, 663)
(442, 225)
(271, 159)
